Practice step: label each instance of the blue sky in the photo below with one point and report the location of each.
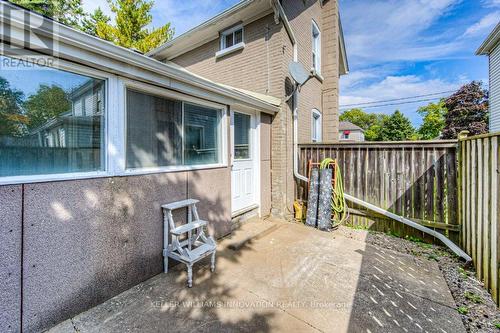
(396, 48)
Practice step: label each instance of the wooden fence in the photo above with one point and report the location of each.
(416, 179)
(479, 202)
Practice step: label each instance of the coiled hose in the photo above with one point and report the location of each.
(339, 205)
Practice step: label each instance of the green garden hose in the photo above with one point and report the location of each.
(339, 205)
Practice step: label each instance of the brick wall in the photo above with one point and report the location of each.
(317, 94)
(262, 66)
(257, 67)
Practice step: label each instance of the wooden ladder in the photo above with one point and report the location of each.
(192, 248)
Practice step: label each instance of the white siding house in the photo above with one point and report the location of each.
(491, 48)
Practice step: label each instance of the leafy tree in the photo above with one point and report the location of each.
(90, 23)
(360, 118)
(129, 29)
(69, 12)
(467, 110)
(369, 122)
(12, 120)
(396, 127)
(47, 103)
(433, 116)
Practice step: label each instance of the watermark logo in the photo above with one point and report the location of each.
(27, 40)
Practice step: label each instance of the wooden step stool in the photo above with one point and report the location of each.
(195, 247)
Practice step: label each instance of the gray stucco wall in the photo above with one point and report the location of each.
(10, 258)
(86, 241)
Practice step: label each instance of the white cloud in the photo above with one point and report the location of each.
(491, 3)
(395, 30)
(484, 25)
(392, 87)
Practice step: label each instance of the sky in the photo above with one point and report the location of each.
(395, 48)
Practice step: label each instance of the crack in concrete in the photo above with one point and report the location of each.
(74, 325)
(285, 311)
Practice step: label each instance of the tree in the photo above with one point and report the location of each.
(369, 122)
(69, 12)
(12, 120)
(433, 116)
(47, 103)
(360, 118)
(90, 23)
(129, 29)
(396, 127)
(467, 110)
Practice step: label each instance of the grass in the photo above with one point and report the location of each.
(473, 297)
(433, 256)
(465, 274)
(463, 310)
(393, 234)
(497, 324)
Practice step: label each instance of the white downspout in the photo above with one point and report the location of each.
(367, 205)
(295, 95)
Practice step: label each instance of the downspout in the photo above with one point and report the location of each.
(277, 6)
(281, 12)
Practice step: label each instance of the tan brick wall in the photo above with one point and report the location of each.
(255, 68)
(262, 66)
(330, 68)
(316, 94)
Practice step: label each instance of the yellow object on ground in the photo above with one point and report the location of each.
(299, 210)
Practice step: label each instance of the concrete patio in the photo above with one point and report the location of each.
(286, 278)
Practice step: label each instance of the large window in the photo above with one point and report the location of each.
(163, 132)
(51, 121)
(316, 48)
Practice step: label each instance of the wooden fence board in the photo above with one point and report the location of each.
(479, 207)
(409, 178)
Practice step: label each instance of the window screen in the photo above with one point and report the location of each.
(165, 132)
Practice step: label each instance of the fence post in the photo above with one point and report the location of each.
(460, 175)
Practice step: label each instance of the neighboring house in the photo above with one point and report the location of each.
(491, 48)
(350, 132)
(211, 121)
(249, 47)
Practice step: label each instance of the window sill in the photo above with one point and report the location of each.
(229, 50)
(13, 180)
(317, 75)
(146, 171)
(16, 180)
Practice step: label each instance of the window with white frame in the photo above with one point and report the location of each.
(316, 48)
(164, 132)
(43, 127)
(231, 38)
(316, 126)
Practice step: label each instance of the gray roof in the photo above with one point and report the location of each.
(490, 42)
(348, 126)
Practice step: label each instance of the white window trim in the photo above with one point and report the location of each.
(235, 47)
(161, 92)
(315, 116)
(114, 147)
(316, 69)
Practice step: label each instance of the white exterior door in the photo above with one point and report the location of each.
(244, 140)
